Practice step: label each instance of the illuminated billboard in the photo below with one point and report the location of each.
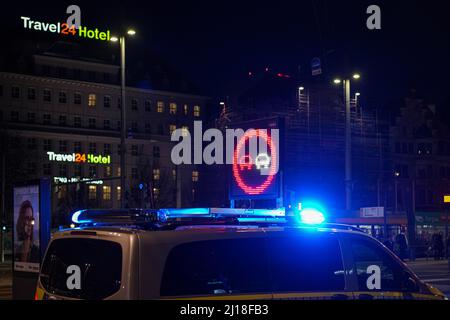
(256, 169)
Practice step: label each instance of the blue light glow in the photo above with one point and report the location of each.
(76, 216)
(311, 216)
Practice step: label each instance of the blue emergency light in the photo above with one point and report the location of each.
(311, 216)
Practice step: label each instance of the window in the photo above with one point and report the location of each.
(92, 171)
(14, 116)
(174, 174)
(134, 150)
(185, 109)
(106, 193)
(78, 171)
(106, 77)
(62, 192)
(62, 120)
(156, 174)
(196, 111)
(77, 74)
(134, 104)
(118, 193)
(296, 266)
(119, 171)
(134, 126)
(63, 146)
(156, 152)
(31, 94)
(106, 124)
(47, 169)
(62, 97)
(173, 108)
(194, 176)
(47, 95)
(91, 75)
(77, 122)
(366, 253)
(31, 168)
(156, 193)
(47, 118)
(15, 92)
(92, 123)
(77, 146)
(107, 101)
(92, 100)
(217, 267)
(47, 145)
(92, 147)
(62, 72)
(119, 125)
(107, 171)
(134, 173)
(172, 128)
(63, 170)
(31, 117)
(32, 143)
(148, 128)
(119, 103)
(148, 105)
(185, 131)
(77, 98)
(101, 278)
(107, 148)
(92, 192)
(160, 107)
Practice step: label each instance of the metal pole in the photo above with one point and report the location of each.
(123, 170)
(3, 214)
(348, 147)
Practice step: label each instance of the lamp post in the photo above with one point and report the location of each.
(348, 139)
(123, 124)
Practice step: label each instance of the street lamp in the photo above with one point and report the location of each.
(348, 137)
(121, 39)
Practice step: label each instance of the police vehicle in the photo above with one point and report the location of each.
(230, 254)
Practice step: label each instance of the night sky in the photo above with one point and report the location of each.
(215, 44)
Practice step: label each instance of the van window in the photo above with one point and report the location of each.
(100, 263)
(217, 267)
(365, 254)
(306, 263)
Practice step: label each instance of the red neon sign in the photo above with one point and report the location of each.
(239, 167)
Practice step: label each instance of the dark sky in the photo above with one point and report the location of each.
(216, 43)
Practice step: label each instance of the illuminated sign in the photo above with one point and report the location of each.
(75, 180)
(255, 173)
(66, 30)
(79, 158)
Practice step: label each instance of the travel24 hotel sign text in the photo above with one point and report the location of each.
(65, 29)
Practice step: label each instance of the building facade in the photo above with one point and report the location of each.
(63, 122)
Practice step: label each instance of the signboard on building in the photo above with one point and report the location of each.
(256, 175)
(374, 212)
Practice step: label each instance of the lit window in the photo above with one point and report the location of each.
(174, 174)
(160, 107)
(173, 108)
(118, 193)
(92, 192)
(194, 176)
(185, 109)
(172, 128)
(196, 111)
(107, 171)
(92, 101)
(185, 131)
(156, 174)
(155, 193)
(106, 193)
